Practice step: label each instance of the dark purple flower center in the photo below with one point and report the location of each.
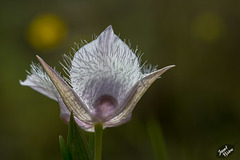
(104, 106)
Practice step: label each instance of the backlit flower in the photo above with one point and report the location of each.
(105, 82)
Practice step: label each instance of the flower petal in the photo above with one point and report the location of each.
(64, 112)
(134, 96)
(65, 116)
(105, 66)
(69, 97)
(40, 82)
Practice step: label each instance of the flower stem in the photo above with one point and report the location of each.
(98, 141)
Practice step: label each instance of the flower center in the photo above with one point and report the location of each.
(104, 106)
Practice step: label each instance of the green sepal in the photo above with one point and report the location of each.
(76, 142)
(64, 150)
(92, 142)
(77, 147)
(156, 138)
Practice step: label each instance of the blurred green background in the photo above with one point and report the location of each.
(197, 103)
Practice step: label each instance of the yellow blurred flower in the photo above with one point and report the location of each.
(208, 26)
(46, 32)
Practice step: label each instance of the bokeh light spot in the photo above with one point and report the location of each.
(46, 32)
(208, 26)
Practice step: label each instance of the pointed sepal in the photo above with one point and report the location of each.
(134, 96)
(69, 97)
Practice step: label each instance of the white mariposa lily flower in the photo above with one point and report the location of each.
(106, 81)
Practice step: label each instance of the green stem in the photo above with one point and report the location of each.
(98, 141)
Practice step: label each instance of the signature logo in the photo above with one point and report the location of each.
(225, 151)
